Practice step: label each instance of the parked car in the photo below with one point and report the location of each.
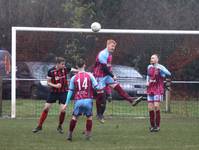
(130, 80)
(30, 81)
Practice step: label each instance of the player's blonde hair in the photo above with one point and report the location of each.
(109, 41)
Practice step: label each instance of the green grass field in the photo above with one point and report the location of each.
(179, 129)
(32, 108)
(116, 134)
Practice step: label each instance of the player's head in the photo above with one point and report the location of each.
(111, 44)
(60, 62)
(154, 59)
(81, 64)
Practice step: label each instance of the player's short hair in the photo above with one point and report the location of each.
(58, 60)
(157, 55)
(80, 63)
(109, 41)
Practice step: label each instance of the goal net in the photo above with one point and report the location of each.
(34, 50)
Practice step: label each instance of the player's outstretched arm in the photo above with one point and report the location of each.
(74, 70)
(164, 70)
(68, 99)
(70, 92)
(95, 85)
(147, 80)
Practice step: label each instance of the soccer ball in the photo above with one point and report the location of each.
(95, 26)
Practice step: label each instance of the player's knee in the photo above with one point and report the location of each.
(74, 118)
(63, 110)
(46, 110)
(151, 106)
(113, 85)
(90, 118)
(157, 107)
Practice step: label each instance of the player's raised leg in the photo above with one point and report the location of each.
(116, 86)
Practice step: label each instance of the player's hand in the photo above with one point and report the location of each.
(64, 107)
(74, 70)
(114, 77)
(58, 85)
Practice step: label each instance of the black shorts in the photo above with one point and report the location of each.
(53, 97)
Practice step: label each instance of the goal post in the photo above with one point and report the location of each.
(75, 30)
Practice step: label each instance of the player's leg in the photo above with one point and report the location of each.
(101, 105)
(61, 119)
(116, 86)
(150, 99)
(88, 107)
(98, 103)
(101, 99)
(77, 110)
(43, 117)
(157, 112)
(108, 92)
(89, 125)
(62, 98)
(72, 126)
(52, 97)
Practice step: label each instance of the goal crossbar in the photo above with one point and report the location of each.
(75, 30)
(118, 31)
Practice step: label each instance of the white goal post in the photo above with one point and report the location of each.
(77, 30)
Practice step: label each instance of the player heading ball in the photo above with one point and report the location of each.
(104, 75)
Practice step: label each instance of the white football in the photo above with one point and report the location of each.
(95, 26)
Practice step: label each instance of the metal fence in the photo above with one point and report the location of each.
(180, 100)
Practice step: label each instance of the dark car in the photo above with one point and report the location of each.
(31, 79)
(130, 80)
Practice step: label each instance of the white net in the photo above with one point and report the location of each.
(34, 50)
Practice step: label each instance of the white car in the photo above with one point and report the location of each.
(130, 80)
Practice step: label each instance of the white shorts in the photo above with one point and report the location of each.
(154, 98)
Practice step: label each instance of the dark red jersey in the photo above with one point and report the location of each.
(103, 58)
(155, 80)
(83, 88)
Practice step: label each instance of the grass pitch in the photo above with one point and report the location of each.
(179, 128)
(116, 134)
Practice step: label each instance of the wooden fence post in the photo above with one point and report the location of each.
(168, 95)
